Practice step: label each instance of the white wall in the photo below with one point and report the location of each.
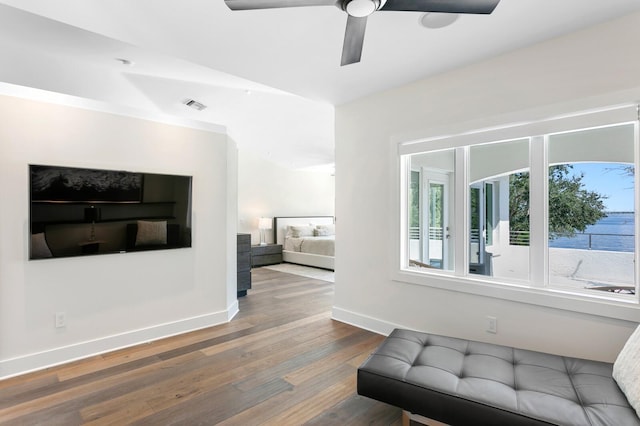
(592, 68)
(110, 300)
(266, 189)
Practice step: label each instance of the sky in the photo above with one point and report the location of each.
(610, 180)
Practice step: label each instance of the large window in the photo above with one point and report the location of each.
(554, 211)
(493, 168)
(591, 209)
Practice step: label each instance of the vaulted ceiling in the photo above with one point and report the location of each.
(272, 77)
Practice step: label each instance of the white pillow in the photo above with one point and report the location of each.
(39, 246)
(296, 231)
(324, 230)
(626, 370)
(151, 233)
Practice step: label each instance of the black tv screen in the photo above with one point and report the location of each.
(78, 212)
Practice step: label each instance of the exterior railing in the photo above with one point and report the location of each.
(519, 238)
(435, 233)
(582, 241)
(596, 241)
(414, 233)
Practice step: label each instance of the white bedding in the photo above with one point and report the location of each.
(324, 245)
(301, 228)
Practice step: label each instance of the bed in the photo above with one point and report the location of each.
(306, 240)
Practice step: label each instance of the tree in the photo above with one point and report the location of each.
(628, 170)
(519, 202)
(414, 193)
(571, 207)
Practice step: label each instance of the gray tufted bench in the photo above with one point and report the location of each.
(462, 382)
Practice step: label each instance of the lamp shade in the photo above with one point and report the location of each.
(265, 223)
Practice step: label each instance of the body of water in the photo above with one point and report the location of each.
(613, 233)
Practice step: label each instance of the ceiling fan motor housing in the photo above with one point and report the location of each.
(361, 8)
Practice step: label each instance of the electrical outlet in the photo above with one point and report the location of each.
(61, 319)
(492, 325)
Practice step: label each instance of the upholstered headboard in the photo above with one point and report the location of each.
(281, 223)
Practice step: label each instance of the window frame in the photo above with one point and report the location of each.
(535, 290)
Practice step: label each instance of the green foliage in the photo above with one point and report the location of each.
(414, 213)
(628, 170)
(436, 203)
(519, 202)
(571, 207)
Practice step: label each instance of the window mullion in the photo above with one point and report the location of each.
(636, 165)
(538, 208)
(461, 218)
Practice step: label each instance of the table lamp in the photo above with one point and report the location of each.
(264, 223)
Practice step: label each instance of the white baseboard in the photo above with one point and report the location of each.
(233, 310)
(49, 358)
(363, 321)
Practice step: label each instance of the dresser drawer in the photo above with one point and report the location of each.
(244, 242)
(244, 261)
(244, 281)
(243, 265)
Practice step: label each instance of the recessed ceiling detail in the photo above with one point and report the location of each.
(433, 20)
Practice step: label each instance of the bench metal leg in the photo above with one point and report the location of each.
(409, 419)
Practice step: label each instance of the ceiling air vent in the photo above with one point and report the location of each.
(195, 104)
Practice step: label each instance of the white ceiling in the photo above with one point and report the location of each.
(289, 59)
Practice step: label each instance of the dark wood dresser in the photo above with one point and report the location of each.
(244, 263)
(268, 254)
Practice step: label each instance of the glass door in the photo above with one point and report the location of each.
(476, 226)
(436, 234)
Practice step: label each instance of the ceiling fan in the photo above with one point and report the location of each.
(359, 10)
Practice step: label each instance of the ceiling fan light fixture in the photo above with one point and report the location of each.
(435, 20)
(361, 8)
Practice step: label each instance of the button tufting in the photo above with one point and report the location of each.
(505, 384)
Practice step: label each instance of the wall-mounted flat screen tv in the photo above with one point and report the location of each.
(78, 212)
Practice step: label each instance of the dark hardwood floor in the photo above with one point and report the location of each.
(281, 361)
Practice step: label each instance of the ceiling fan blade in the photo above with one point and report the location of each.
(273, 4)
(445, 6)
(353, 40)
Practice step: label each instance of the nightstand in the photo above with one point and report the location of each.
(268, 254)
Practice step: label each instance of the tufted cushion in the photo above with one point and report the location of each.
(459, 381)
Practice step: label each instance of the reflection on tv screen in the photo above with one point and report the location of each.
(79, 212)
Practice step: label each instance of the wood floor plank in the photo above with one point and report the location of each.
(281, 361)
(327, 363)
(264, 334)
(312, 407)
(278, 404)
(142, 351)
(352, 410)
